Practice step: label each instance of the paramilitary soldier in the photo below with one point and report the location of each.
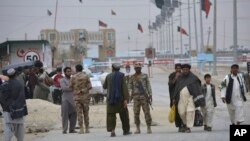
(140, 89)
(117, 99)
(80, 84)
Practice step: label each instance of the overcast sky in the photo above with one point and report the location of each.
(18, 17)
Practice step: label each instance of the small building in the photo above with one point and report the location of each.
(20, 51)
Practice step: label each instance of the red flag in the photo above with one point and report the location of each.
(205, 6)
(113, 12)
(140, 28)
(182, 31)
(102, 24)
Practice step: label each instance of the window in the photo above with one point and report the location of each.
(110, 36)
(42, 37)
(52, 37)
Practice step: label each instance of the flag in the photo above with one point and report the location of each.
(113, 12)
(176, 3)
(49, 13)
(181, 30)
(128, 37)
(205, 6)
(159, 3)
(102, 24)
(140, 28)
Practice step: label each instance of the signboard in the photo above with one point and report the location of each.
(31, 56)
(248, 67)
(110, 53)
(209, 57)
(150, 53)
(201, 57)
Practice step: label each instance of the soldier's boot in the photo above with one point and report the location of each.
(81, 130)
(149, 131)
(87, 129)
(137, 131)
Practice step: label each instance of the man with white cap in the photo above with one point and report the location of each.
(12, 100)
(117, 98)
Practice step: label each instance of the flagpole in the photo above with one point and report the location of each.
(202, 40)
(181, 33)
(55, 15)
(214, 72)
(201, 28)
(128, 46)
(157, 40)
(166, 38)
(160, 40)
(169, 36)
(189, 28)
(136, 42)
(54, 42)
(172, 24)
(195, 28)
(235, 31)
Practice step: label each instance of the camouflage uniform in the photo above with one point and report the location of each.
(140, 97)
(80, 83)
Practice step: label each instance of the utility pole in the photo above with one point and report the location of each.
(235, 31)
(214, 72)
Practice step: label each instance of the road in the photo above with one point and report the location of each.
(164, 130)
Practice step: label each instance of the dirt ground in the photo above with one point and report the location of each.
(45, 116)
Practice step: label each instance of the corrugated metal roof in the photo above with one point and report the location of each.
(4, 44)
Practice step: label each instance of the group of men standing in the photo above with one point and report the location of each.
(185, 89)
(188, 94)
(118, 93)
(76, 98)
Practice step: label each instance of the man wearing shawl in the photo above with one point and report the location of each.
(171, 86)
(117, 99)
(188, 95)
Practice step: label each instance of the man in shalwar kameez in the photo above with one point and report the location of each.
(188, 95)
(68, 108)
(233, 92)
(117, 98)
